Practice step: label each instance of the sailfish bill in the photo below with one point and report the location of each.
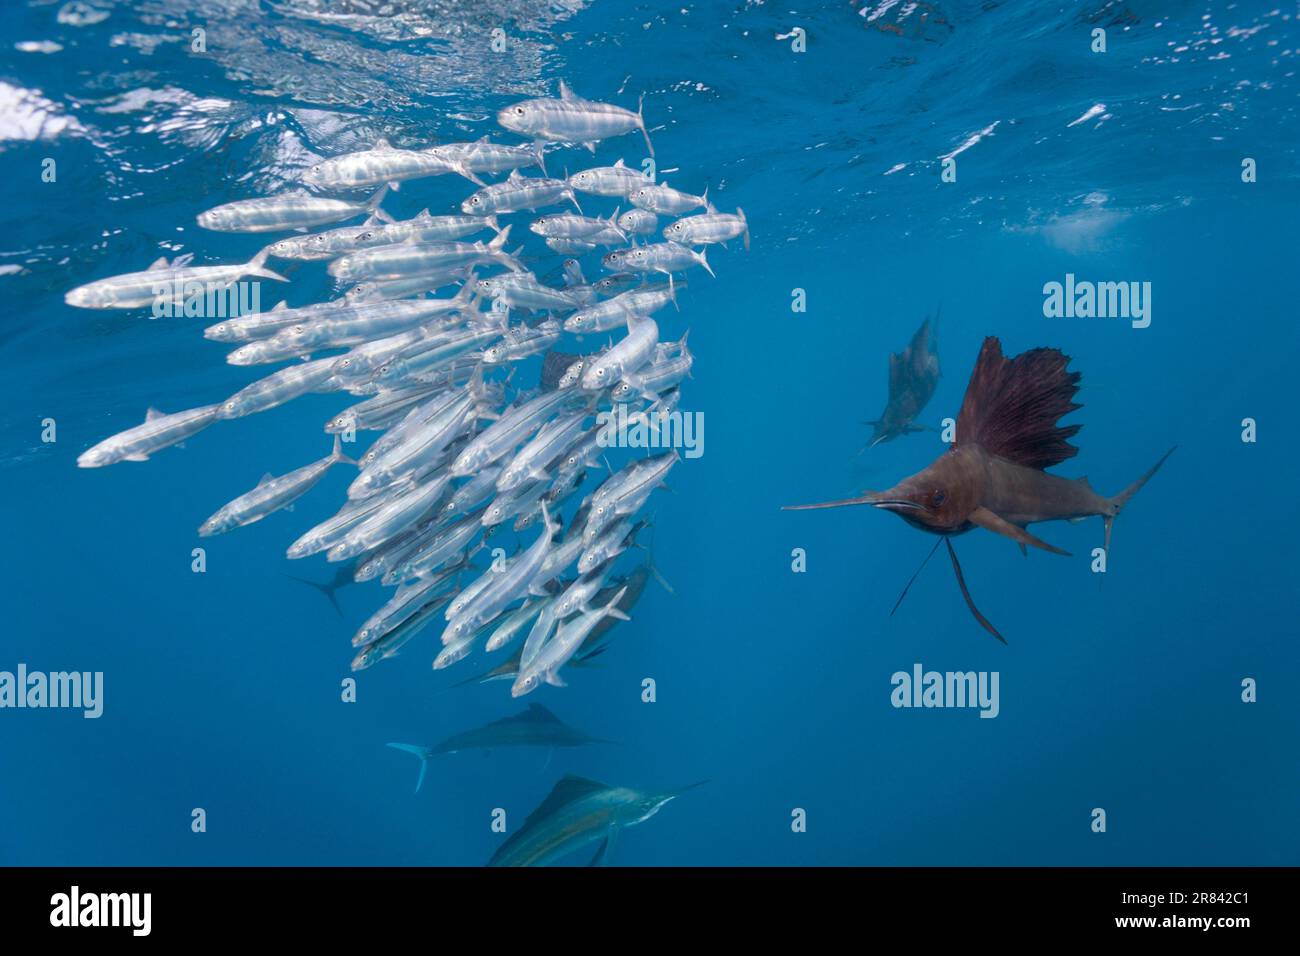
(867, 499)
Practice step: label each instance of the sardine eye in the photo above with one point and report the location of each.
(519, 110)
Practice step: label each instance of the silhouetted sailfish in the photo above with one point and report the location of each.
(913, 376)
(993, 475)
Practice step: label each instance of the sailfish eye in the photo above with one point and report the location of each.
(938, 498)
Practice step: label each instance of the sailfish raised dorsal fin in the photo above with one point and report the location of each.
(567, 791)
(895, 373)
(1012, 406)
(537, 712)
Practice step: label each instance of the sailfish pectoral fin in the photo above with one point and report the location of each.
(602, 853)
(914, 576)
(961, 582)
(987, 520)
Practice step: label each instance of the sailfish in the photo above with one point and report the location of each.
(994, 474)
(913, 376)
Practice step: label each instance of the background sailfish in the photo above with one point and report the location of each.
(913, 376)
(993, 475)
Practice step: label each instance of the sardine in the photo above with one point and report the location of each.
(627, 355)
(288, 211)
(516, 193)
(571, 119)
(159, 431)
(382, 163)
(272, 494)
(711, 226)
(559, 649)
(663, 199)
(164, 283)
(617, 180)
(405, 259)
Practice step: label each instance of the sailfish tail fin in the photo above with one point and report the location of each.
(1121, 499)
(424, 753)
(326, 589)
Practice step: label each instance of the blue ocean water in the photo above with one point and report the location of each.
(1120, 691)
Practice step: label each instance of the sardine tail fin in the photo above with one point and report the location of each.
(703, 259)
(257, 267)
(372, 204)
(337, 456)
(640, 121)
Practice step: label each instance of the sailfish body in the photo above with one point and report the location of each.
(993, 476)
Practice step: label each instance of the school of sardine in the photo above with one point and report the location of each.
(463, 449)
